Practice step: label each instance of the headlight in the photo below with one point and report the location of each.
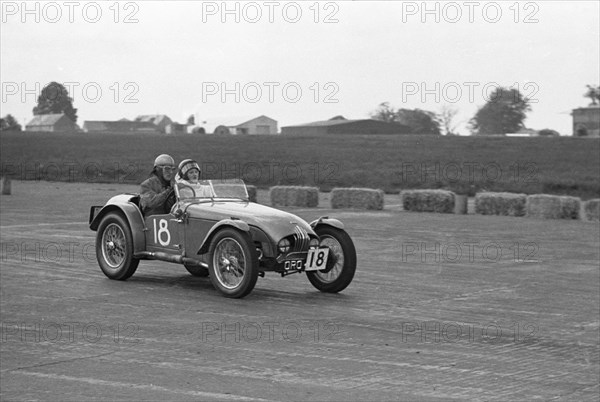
(283, 246)
(314, 243)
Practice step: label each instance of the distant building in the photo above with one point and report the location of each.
(261, 125)
(176, 129)
(120, 126)
(51, 122)
(159, 120)
(586, 121)
(340, 125)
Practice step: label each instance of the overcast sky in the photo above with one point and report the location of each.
(299, 62)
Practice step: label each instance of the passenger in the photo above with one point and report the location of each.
(156, 190)
(189, 175)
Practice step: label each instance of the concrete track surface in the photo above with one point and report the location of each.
(441, 307)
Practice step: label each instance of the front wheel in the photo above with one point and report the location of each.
(233, 263)
(114, 248)
(341, 263)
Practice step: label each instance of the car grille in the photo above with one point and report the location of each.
(301, 239)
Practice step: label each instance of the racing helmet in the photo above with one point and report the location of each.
(185, 167)
(164, 159)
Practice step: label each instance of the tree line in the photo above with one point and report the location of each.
(504, 112)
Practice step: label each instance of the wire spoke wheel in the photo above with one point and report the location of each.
(233, 262)
(113, 245)
(230, 262)
(337, 254)
(341, 262)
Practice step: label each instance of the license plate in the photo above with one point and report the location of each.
(316, 259)
(293, 265)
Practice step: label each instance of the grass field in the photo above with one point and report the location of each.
(392, 163)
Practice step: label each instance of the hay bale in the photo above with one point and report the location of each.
(570, 207)
(295, 196)
(251, 193)
(505, 204)
(591, 210)
(548, 206)
(358, 198)
(428, 201)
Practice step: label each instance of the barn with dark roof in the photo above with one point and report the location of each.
(341, 125)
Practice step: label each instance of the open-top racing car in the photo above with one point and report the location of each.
(214, 230)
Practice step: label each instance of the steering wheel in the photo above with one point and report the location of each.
(185, 187)
(170, 200)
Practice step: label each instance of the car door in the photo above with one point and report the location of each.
(164, 233)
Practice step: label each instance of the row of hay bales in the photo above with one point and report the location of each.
(544, 206)
(443, 201)
(298, 196)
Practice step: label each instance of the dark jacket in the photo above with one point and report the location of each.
(154, 192)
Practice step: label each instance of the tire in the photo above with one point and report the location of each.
(114, 248)
(233, 263)
(196, 270)
(341, 263)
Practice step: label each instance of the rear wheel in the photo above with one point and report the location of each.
(341, 263)
(114, 247)
(196, 270)
(233, 263)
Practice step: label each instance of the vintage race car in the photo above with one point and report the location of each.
(214, 230)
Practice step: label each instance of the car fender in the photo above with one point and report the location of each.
(325, 220)
(235, 223)
(133, 216)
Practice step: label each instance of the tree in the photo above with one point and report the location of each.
(384, 113)
(8, 123)
(446, 119)
(419, 121)
(55, 99)
(593, 93)
(191, 121)
(503, 113)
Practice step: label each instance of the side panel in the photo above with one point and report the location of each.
(196, 231)
(235, 223)
(165, 233)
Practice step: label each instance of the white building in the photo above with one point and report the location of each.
(240, 125)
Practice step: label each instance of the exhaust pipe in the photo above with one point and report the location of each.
(179, 259)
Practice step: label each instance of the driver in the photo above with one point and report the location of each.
(188, 175)
(157, 188)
